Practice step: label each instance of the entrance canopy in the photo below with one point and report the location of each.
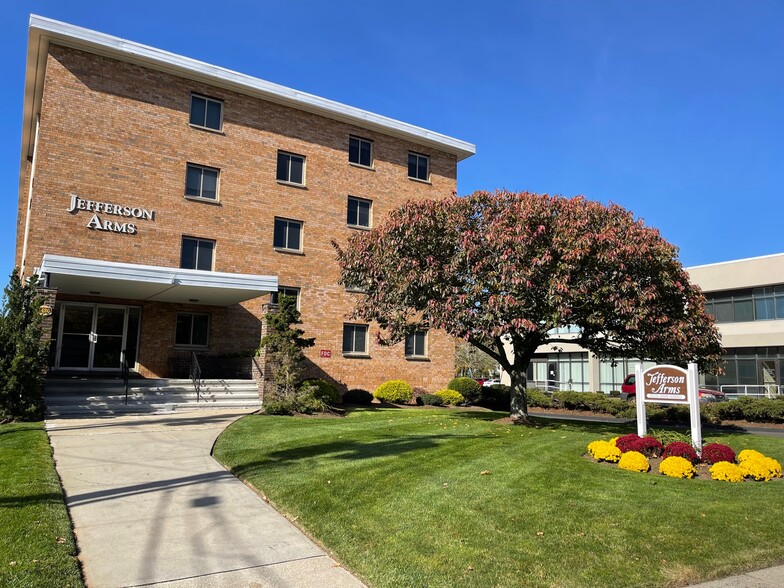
(93, 277)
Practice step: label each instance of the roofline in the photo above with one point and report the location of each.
(44, 30)
(735, 261)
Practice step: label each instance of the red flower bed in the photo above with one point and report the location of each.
(648, 446)
(716, 452)
(681, 449)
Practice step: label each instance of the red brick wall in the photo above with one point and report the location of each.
(119, 133)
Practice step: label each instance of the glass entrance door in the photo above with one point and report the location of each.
(93, 336)
(767, 369)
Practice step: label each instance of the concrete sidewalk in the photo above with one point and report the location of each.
(151, 507)
(767, 578)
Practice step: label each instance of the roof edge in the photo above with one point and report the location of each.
(46, 29)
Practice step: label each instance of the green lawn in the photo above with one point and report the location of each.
(398, 496)
(36, 543)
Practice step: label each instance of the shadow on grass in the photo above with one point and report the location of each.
(31, 500)
(352, 450)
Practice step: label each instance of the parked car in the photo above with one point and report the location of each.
(491, 382)
(629, 391)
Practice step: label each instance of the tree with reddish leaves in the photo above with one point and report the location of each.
(509, 267)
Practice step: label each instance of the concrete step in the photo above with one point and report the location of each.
(74, 396)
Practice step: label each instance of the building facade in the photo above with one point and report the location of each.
(745, 296)
(166, 202)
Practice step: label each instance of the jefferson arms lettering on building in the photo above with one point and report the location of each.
(99, 224)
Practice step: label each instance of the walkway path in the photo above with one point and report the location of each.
(151, 507)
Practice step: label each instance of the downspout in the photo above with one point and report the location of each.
(30, 196)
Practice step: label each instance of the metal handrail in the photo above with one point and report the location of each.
(125, 369)
(195, 374)
(766, 390)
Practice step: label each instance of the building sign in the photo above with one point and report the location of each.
(669, 384)
(325, 353)
(100, 209)
(45, 310)
(665, 384)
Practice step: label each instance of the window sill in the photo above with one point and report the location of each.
(417, 358)
(213, 201)
(288, 251)
(428, 182)
(292, 184)
(359, 165)
(356, 355)
(358, 227)
(208, 129)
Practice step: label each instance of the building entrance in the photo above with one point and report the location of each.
(93, 337)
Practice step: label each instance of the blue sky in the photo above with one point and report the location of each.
(674, 110)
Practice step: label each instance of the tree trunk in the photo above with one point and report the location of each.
(519, 406)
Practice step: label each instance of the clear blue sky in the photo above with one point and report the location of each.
(674, 110)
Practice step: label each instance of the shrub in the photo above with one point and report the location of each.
(626, 442)
(323, 390)
(681, 449)
(302, 403)
(394, 391)
(357, 396)
(760, 468)
(667, 436)
(468, 387)
(634, 461)
(496, 397)
(604, 451)
(537, 398)
(760, 410)
(450, 397)
(590, 401)
(747, 454)
(431, 400)
(726, 472)
(677, 467)
(713, 453)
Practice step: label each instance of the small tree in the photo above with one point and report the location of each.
(23, 354)
(472, 362)
(284, 344)
(506, 269)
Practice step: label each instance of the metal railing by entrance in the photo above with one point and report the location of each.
(195, 374)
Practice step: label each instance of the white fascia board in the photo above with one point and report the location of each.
(45, 29)
(95, 268)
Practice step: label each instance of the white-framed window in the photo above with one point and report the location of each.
(201, 181)
(284, 291)
(416, 344)
(287, 234)
(358, 212)
(206, 112)
(418, 166)
(197, 253)
(291, 168)
(192, 330)
(355, 339)
(360, 151)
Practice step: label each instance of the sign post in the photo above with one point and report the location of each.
(669, 384)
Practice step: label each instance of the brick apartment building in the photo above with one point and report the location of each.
(166, 202)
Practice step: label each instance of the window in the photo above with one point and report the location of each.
(355, 339)
(416, 344)
(418, 167)
(360, 151)
(358, 212)
(197, 253)
(288, 234)
(192, 329)
(284, 291)
(291, 168)
(756, 304)
(201, 182)
(206, 112)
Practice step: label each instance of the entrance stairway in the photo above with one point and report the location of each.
(65, 396)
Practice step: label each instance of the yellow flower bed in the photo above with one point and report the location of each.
(726, 472)
(749, 454)
(677, 467)
(760, 468)
(634, 461)
(604, 451)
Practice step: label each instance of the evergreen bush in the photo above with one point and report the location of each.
(357, 396)
(450, 397)
(394, 392)
(324, 390)
(468, 387)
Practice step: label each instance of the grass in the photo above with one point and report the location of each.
(36, 543)
(398, 495)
